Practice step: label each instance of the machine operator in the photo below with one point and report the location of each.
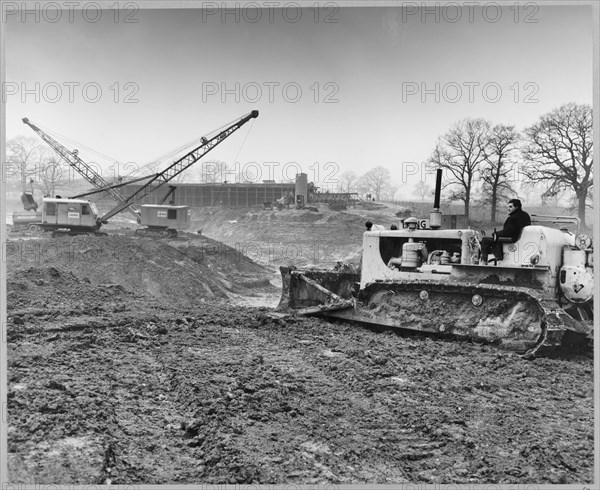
(517, 220)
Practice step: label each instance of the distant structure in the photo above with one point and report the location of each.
(301, 191)
(221, 194)
(240, 195)
(335, 200)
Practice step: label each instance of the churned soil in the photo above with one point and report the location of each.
(133, 360)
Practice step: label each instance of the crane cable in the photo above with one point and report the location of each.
(244, 142)
(76, 143)
(170, 154)
(195, 142)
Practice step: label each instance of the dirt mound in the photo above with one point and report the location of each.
(301, 216)
(174, 272)
(341, 219)
(48, 287)
(289, 216)
(370, 206)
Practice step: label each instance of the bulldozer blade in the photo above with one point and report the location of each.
(315, 291)
(558, 318)
(325, 308)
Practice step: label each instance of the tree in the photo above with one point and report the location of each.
(348, 181)
(529, 193)
(23, 158)
(51, 173)
(499, 149)
(573, 204)
(422, 190)
(376, 181)
(558, 151)
(392, 189)
(461, 151)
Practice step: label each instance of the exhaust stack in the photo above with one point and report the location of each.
(435, 216)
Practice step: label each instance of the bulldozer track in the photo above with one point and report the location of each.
(552, 320)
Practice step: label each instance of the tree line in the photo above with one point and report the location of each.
(490, 163)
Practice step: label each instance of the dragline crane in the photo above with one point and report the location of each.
(78, 216)
(83, 168)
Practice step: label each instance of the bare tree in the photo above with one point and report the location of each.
(461, 151)
(50, 175)
(558, 151)
(422, 190)
(376, 181)
(23, 163)
(529, 193)
(348, 181)
(496, 174)
(23, 158)
(573, 204)
(392, 189)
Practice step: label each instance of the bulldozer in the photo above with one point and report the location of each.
(428, 279)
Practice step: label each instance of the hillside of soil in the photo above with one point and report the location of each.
(303, 237)
(182, 271)
(138, 361)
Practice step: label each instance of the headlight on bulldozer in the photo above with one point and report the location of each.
(583, 242)
(477, 300)
(424, 295)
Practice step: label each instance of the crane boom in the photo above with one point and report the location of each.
(179, 166)
(84, 169)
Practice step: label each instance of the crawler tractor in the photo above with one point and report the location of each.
(434, 280)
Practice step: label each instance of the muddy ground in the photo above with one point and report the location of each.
(133, 360)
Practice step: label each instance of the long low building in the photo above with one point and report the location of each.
(218, 194)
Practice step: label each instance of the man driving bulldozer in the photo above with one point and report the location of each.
(516, 221)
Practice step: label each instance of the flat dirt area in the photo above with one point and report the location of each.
(136, 360)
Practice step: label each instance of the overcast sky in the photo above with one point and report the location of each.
(358, 87)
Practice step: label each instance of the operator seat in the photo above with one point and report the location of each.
(519, 252)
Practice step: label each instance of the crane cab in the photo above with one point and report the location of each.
(165, 216)
(77, 215)
(159, 218)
